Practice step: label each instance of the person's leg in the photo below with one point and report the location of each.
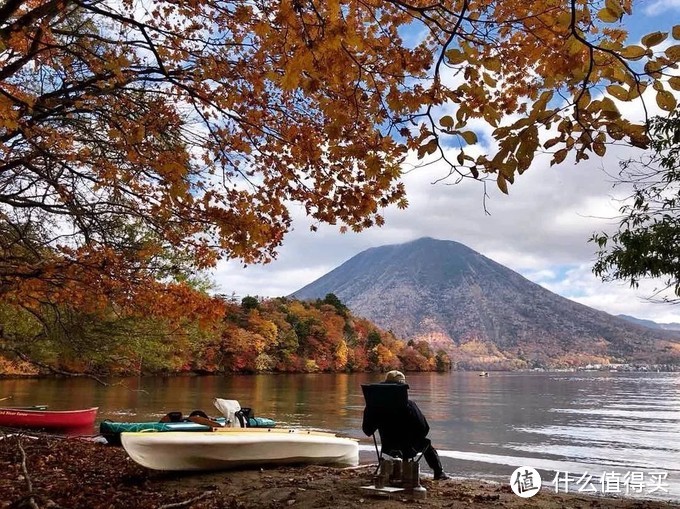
(433, 461)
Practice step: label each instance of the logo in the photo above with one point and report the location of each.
(525, 482)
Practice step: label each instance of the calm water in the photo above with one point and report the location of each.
(622, 425)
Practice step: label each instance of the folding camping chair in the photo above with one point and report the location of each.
(388, 402)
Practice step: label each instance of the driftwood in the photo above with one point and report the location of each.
(360, 467)
(31, 498)
(29, 485)
(187, 503)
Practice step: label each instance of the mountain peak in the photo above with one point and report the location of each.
(457, 299)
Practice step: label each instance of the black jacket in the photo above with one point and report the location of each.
(401, 429)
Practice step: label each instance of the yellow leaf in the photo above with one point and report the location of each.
(455, 56)
(608, 105)
(673, 52)
(469, 137)
(615, 132)
(573, 46)
(138, 134)
(468, 49)
(290, 80)
(607, 16)
(654, 38)
(615, 7)
(493, 64)
(563, 20)
(538, 108)
(584, 99)
(619, 92)
(491, 115)
(489, 80)
(502, 184)
(559, 156)
(666, 100)
(653, 68)
(462, 115)
(636, 90)
(552, 142)
(633, 52)
(674, 82)
(431, 146)
(637, 135)
(373, 165)
(446, 121)
(676, 32)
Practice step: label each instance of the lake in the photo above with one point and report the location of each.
(614, 433)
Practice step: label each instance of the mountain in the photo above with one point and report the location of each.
(482, 313)
(651, 324)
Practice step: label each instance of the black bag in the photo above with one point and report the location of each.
(244, 415)
(172, 417)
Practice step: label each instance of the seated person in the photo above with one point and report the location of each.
(404, 431)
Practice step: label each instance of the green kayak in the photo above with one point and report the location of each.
(111, 430)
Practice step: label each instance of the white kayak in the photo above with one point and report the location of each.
(226, 448)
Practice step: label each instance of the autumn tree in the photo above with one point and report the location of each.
(646, 243)
(141, 142)
(249, 302)
(373, 339)
(198, 122)
(334, 301)
(442, 361)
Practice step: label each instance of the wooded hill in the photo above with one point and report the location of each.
(483, 314)
(277, 335)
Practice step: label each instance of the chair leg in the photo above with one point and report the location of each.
(377, 469)
(377, 452)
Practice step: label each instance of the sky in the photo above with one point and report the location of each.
(540, 230)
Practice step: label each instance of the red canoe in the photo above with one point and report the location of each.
(66, 421)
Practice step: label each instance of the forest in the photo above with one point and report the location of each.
(253, 336)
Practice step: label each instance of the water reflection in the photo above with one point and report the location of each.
(483, 426)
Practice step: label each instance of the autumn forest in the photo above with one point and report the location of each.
(274, 335)
(144, 142)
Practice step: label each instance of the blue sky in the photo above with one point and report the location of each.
(540, 230)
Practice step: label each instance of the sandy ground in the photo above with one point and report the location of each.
(72, 474)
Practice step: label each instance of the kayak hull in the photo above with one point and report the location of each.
(65, 421)
(233, 448)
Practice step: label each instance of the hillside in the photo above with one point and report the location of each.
(255, 336)
(484, 314)
(650, 323)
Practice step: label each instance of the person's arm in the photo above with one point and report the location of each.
(370, 422)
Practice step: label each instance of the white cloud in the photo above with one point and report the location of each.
(540, 230)
(660, 6)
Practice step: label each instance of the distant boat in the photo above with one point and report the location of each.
(226, 448)
(57, 421)
(484, 373)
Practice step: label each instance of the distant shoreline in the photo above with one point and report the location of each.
(487, 371)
